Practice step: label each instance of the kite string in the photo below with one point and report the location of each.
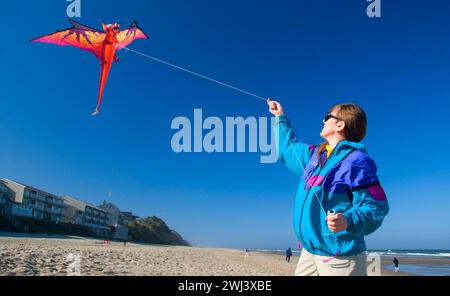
(242, 91)
(194, 73)
(229, 86)
(301, 165)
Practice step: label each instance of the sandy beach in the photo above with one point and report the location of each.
(44, 256)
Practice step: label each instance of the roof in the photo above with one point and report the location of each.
(76, 203)
(79, 204)
(29, 187)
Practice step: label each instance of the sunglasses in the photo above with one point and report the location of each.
(329, 115)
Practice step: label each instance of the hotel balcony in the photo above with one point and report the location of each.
(55, 211)
(35, 196)
(55, 202)
(44, 198)
(39, 207)
(3, 189)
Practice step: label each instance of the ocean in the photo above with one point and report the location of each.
(422, 270)
(444, 254)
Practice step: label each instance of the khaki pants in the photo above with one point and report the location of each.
(313, 265)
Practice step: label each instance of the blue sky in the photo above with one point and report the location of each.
(309, 55)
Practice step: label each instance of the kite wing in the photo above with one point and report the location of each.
(125, 37)
(79, 36)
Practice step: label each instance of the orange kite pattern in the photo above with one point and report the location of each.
(102, 44)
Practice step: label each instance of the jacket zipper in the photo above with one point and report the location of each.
(309, 189)
(307, 193)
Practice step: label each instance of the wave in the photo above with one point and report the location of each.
(412, 254)
(397, 253)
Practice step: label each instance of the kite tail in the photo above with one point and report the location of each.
(103, 77)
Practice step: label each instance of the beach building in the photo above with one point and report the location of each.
(27, 201)
(119, 231)
(127, 217)
(79, 212)
(4, 193)
(4, 197)
(73, 210)
(113, 211)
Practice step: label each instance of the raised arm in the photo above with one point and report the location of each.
(292, 152)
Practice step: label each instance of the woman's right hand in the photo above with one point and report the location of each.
(275, 108)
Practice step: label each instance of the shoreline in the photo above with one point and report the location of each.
(44, 255)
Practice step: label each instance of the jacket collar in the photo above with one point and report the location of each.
(342, 149)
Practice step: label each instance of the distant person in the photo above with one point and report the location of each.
(395, 261)
(124, 242)
(336, 177)
(247, 251)
(288, 255)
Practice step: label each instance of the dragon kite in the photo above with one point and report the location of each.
(103, 45)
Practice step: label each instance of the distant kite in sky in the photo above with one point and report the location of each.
(102, 44)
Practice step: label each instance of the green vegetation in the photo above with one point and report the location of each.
(154, 230)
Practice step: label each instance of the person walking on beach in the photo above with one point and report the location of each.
(247, 251)
(288, 255)
(396, 262)
(339, 198)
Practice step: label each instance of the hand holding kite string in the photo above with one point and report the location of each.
(102, 44)
(337, 222)
(275, 108)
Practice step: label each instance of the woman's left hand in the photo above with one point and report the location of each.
(337, 222)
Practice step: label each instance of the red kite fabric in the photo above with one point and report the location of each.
(102, 44)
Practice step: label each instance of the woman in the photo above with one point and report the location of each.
(339, 198)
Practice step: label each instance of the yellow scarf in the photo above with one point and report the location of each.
(329, 150)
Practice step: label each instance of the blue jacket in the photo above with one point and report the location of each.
(346, 182)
